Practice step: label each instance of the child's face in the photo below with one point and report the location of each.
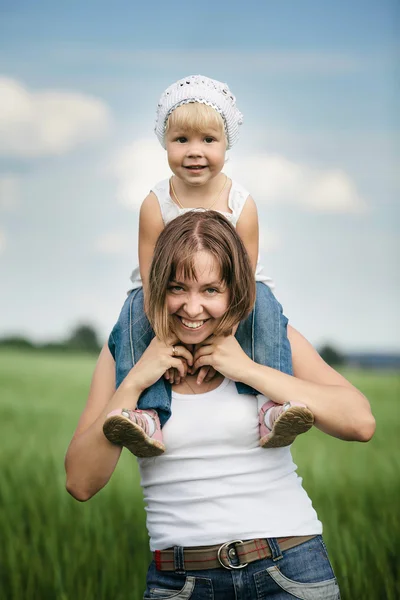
(195, 157)
(197, 306)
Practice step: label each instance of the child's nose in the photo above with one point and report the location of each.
(195, 149)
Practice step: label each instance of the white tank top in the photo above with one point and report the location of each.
(214, 483)
(170, 210)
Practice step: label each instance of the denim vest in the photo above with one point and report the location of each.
(263, 337)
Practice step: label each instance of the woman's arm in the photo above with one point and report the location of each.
(247, 228)
(91, 458)
(339, 408)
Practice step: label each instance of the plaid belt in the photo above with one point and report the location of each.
(235, 554)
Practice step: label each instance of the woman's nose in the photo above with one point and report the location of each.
(192, 306)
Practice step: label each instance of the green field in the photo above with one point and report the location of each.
(52, 547)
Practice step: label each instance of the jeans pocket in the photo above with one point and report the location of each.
(194, 589)
(318, 590)
(304, 572)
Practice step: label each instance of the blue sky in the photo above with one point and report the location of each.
(316, 81)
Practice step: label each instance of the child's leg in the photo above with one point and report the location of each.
(280, 424)
(137, 430)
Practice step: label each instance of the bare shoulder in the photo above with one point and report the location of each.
(308, 364)
(249, 207)
(150, 218)
(102, 388)
(150, 210)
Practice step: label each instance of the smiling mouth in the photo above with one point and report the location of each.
(196, 168)
(192, 324)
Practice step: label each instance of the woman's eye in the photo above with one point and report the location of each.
(175, 288)
(211, 291)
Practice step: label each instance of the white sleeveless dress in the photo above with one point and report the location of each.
(170, 210)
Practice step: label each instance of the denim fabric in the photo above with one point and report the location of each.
(302, 572)
(263, 336)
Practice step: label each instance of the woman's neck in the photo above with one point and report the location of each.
(190, 386)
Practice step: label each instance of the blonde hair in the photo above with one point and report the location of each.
(196, 116)
(175, 252)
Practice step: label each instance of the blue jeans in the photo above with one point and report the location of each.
(263, 336)
(301, 572)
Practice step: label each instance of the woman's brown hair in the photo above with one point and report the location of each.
(174, 253)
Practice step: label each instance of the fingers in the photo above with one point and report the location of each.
(202, 374)
(169, 375)
(202, 361)
(210, 374)
(202, 351)
(206, 374)
(181, 368)
(183, 353)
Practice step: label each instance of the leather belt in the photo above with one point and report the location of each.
(235, 554)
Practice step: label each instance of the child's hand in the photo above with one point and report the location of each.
(173, 376)
(206, 374)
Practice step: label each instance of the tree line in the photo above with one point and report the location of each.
(84, 338)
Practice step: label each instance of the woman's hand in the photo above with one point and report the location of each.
(225, 355)
(158, 358)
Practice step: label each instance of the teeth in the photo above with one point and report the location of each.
(192, 325)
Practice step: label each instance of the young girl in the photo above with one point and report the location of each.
(197, 122)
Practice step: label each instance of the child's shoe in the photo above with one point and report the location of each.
(137, 430)
(285, 423)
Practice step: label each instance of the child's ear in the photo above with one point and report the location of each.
(226, 157)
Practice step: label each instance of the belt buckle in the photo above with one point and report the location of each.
(228, 545)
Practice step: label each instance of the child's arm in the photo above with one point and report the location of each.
(151, 225)
(247, 228)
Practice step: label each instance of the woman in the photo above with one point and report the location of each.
(225, 517)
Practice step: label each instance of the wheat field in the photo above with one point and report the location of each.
(55, 548)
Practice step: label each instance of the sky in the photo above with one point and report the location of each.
(317, 83)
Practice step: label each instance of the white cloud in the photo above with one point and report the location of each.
(138, 167)
(2, 241)
(271, 178)
(115, 243)
(47, 122)
(9, 191)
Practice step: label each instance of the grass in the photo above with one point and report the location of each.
(52, 547)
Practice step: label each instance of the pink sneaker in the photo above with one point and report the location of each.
(288, 421)
(130, 428)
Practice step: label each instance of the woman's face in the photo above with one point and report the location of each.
(197, 307)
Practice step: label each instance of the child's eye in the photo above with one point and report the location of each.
(209, 140)
(181, 140)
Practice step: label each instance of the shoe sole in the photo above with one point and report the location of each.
(288, 426)
(122, 432)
